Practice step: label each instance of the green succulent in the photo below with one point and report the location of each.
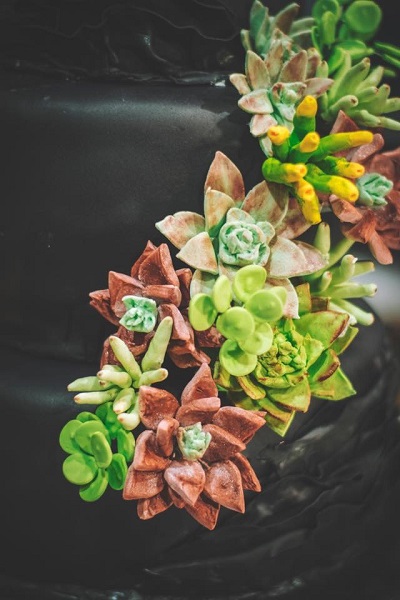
(262, 26)
(373, 188)
(302, 361)
(92, 464)
(119, 384)
(245, 325)
(357, 92)
(333, 287)
(141, 314)
(339, 30)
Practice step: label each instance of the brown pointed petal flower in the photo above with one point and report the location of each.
(181, 329)
(147, 454)
(241, 423)
(198, 411)
(201, 385)
(163, 294)
(157, 268)
(205, 511)
(150, 507)
(223, 444)
(185, 277)
(121, 285)
(186, 478)
(175, 498)
(249, 478)
(224, 485)
(146, 252)
(165, 433)
(225, 177)
(155, 405)
(142, 484)
(100, 300)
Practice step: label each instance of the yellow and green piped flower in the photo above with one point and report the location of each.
(119, 384)
(302, 361)
(306, 163)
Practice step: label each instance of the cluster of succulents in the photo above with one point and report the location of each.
(262, 314)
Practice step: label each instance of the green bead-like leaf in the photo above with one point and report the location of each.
(261, 340)
(126, 444)
(235, 361)
(248, 280)
(222, 294)
(322, 6)
(267, 305)
(94, 490)
(236, 323)
(79, 468)
(202, 312)
(67, 436)
(117, 472)
(86, 430)
(363, 17)
(100, 449)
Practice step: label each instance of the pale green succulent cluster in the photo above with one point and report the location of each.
(119, 384)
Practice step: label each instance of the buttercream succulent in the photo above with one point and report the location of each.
(92, 464)
(245, 325)
(272, 86)
(136, 303)
(238, 230)
(302, 361)
(262, 26)
(120, 383)
(307, 163)
(189, 455)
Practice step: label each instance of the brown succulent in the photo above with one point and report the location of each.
(152, 276)
(200, 473)
(378, 227)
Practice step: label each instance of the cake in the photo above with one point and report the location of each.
(91, 166)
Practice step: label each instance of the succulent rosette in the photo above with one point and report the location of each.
(237, 230)
(302, 361)
(138, 302)
(189, 456)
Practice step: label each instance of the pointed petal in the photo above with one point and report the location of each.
(165, 433)
(198, 411)
(163, 294)
(147, 454)
(150, 507)
(225, 177)
(256, 71)
(380, 250)
(175, 498)
(296, 397)
(142, 484)
(224, 485)
(294, 223)
(289, 259)
(216, 205)
(295, 69)
(325, 325)
(249, 478)
(100, 300)
(186, 478)
(316, 86)
(223, 445)
(267, 202)
(155, 405)
(181, 227)
(201, 385)
(146, 252)
(205, 511)
(180, 329)
(260, 124)
(241, 423)
(199, 253)
(121, 285)
(240, 82)
(256, 103)
(157, 268)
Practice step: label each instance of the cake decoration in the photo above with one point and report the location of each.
(262, 311)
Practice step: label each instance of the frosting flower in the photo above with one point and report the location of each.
(153, 291)
(242, 241)
(190, 454)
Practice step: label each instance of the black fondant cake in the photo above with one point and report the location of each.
(88, 168)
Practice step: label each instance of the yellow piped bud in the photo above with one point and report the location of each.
(304, 190)
(308, 107)
(344, 188)
(352, 169)
(294, 172)
(278, 134)
(310, 142)
(308, 201)
(358, 138)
